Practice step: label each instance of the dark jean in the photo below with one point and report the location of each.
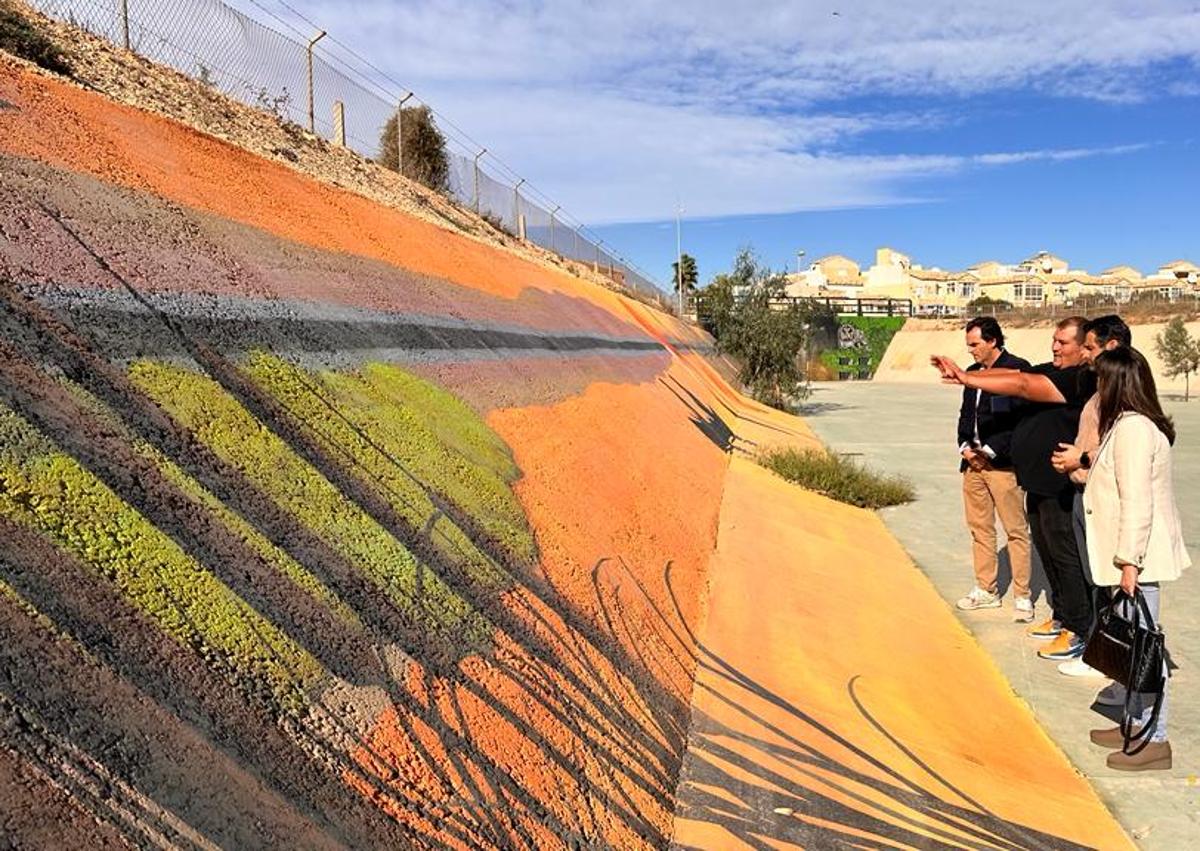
(1051, 525)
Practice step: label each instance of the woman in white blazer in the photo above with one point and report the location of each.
(1134, 539)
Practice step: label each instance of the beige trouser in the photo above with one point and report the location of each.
(988, 494)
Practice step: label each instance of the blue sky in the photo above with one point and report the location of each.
(953, 131)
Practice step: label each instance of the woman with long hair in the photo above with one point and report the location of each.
(1134, 538)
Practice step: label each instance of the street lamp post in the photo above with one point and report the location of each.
(679, 255)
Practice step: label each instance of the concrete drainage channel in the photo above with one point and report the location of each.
(324, 527)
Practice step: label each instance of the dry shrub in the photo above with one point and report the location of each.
(838, 478)
(22, 35)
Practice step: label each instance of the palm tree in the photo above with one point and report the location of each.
(690, 277)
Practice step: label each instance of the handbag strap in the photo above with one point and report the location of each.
(1144, 606)
(1140, 607)
(1143, 736)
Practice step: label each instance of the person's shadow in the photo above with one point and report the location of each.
(1039, 585)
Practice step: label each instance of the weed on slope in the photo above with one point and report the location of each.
(838, 477)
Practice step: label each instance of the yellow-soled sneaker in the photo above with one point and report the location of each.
(1068, 645)
(1045, 631)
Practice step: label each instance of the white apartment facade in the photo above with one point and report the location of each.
(1039, 280)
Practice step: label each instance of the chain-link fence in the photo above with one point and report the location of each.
(261, 65)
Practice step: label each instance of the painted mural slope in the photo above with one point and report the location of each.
(323, 527)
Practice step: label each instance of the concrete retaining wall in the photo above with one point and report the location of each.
(907, 358)
(324, 527)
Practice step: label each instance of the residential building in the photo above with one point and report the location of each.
(1039, 280)
(1174, 279)
(833, 275)
(1043, 263)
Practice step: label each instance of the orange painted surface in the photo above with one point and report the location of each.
(837, 687)
(619, 483)
(580, 755)
(756, 426)
(620, 472)
(68, 127)
(665, 327)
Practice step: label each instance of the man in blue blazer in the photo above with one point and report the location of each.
(990, 489)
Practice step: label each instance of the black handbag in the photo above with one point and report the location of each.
(1132, 652)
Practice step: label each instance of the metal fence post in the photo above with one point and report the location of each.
(195, 43)
(477, 156)
(339, 123)
(125, 23)
(312, 121)
(517, 207)
(400, 135)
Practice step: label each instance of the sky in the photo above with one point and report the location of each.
(953, 131)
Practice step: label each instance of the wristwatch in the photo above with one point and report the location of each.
(1085, 461)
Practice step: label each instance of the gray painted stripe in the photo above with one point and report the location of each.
(124, 328)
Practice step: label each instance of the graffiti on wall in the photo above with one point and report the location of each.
(850, 337)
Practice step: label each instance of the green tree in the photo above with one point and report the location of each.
(425, 157)
(743, 312)
(1179, 351)
(690, 277)
(715, 308)
(717, 303)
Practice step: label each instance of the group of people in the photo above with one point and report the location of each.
(1074, 457)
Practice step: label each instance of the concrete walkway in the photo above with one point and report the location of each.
(909, 429)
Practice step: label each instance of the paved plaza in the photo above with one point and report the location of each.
(909, 429)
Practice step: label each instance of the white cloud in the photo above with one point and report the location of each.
(618, 109)
(629, 161)
(1060, 155)
(774, 51)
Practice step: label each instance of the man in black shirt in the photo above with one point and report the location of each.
(1058, 391)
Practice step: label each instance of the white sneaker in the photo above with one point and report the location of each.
(977, 598)
(1022, 610)
(1112, 694)
(1078, 668)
